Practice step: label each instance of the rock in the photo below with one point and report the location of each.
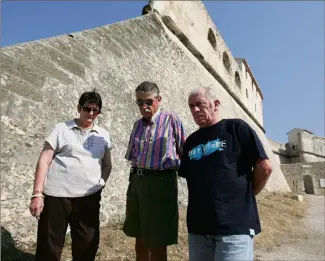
(298, 197)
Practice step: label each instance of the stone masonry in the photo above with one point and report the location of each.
(41, 82)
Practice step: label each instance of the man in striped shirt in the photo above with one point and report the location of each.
(155, 148)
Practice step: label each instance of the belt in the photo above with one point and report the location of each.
(141, 172)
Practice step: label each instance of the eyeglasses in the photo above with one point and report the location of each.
(88, 110)
(146, 102)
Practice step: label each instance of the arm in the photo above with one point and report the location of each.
(129, 152)
(106, 165)
(45, 159)
(254, 156)
(182, 168)
(179, 134)
(261, 173)
(182, 171)
(43, 163)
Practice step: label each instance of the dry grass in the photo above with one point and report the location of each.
(279, 214)
(115, 246)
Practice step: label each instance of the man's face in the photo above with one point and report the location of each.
(148, 103)
(204, 112)
(88, 113)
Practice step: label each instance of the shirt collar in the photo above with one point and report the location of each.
(72, 124)
(153, 118)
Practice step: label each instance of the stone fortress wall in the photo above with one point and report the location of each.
(42, 80)
(191, 23)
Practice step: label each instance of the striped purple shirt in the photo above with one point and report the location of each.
(157, 144)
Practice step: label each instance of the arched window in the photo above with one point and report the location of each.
(226, 61)
(212, 39)
(237, 80)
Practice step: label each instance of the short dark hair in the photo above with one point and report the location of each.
(91, 97)
(148, 87)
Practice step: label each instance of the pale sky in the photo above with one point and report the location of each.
(283, 43)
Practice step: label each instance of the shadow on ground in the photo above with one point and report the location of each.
(9, 251)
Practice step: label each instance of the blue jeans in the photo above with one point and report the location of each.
(219, 248)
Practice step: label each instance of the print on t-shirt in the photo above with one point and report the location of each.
(202, 150)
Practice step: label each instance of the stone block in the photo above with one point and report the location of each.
(298, 197)
(322, 183)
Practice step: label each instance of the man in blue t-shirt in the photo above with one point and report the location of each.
(225, 166)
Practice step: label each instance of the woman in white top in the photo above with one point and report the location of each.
(72, 169)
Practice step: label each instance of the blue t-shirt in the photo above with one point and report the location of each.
(217, 164)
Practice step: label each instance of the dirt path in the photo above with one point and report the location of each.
(310, 246)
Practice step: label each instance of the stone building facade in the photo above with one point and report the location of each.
(302, 160)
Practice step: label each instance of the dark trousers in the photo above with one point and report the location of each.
(82, 214)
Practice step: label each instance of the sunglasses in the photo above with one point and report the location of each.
(88, 110)
(146, 102)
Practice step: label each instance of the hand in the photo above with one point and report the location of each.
(102, 182)
(36, 206)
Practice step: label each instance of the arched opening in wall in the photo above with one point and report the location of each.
(226, 61)
(246, 93)
(212, 39)
(237, 80)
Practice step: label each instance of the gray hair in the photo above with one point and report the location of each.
(208, 91)
(149, 87)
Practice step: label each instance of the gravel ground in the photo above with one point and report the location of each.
(310, 246)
